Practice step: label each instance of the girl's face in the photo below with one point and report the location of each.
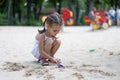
(54, 29)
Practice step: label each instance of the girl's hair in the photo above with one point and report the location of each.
(51, 19)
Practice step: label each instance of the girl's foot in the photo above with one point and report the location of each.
(44, 62)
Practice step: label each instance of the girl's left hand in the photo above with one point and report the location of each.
(55, 60)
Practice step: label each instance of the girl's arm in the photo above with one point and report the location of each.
(41, 49)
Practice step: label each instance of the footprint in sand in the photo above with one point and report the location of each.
(29, 71)
(88, 65)
(94, 70)
(90, 69)
(36, 71)
(118, 53)
(49, 77)
(78, 75)
(13, 66)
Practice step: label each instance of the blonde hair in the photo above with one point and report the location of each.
(51, 19)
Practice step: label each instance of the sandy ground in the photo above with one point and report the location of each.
(85, 54)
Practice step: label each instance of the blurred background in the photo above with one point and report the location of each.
(31, 12)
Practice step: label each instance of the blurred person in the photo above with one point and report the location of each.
(92, 13)
(118, 16)
(112, 15)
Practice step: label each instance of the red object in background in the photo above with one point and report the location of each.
(87, 20)
(101, 20)
(66, 15)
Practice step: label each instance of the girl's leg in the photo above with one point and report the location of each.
(119, 22)
(47, 48)
(52, 46)
(55, 47)
(48, 45)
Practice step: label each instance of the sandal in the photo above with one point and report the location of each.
(44, 62)
(49, 60)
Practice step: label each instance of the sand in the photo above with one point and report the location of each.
(85, 54)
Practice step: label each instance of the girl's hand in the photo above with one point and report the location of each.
(55, 60)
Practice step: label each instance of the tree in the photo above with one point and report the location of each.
(39, 7)
(28, 10)
(9, 11)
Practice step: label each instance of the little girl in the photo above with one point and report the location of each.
(46, 42)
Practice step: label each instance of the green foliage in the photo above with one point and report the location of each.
(3, 19)
(21, 4)
(81, 20)
(32, 21)
(40, 3)
(18, 7)
(47, 4)
(3, 5)
(65, 3)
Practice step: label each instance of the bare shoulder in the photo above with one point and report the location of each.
(40, 37)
